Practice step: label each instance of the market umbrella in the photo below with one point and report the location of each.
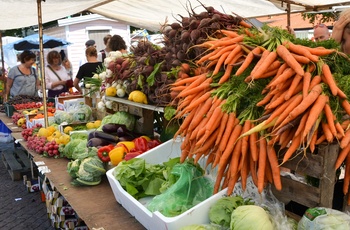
(32, 42)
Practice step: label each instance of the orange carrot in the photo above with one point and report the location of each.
(278, 110)
(302, 122)
(320, 51)
(228, 130)
(230, 146)
(327, 132)
(341, 157)
(339, 128)
(346, 106)
(253, 141)
(262, 163)
(253, 169)
(212, 124)
(301, 59)
(329, 78)
(261, 60)
(330, 119)
(314, 113)
(236, 157)
(245, 24)
(315, 81)
(297, 78)
(220, 63)
(245, 162)
(196, 89)
(222, 50)
(272, 157)
(233, 53)
(292, 148)
(346, 175)
(284, 114)
(222, 127)
(229, 33)
(345, 141)
(304, 104)
(312, 144)
(227, 42)
(284, 53)
(249, 58)
(288, 73)
(306, 83)
(201, 113)
(267, 62)
(301, 50)
(245, 141)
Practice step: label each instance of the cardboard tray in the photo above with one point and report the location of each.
(196, 215)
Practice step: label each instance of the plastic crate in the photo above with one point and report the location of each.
(9, 109)
(155, 220)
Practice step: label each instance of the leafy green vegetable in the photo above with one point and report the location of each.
(220, 213)
(89, 173)
(251, 217)
(201, 227)
(73, 167)
(141, 179)
(63, 116)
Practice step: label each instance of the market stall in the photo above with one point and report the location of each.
(249, 104)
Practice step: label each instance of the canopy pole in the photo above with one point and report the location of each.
(42, 72)
(3, 76)
(288, 14)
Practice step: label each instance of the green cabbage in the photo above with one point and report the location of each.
(70, 147)
(63, 116)
(120, 117)
(324, 219)
(90, 170)
(81, 113)
(73, 167)
(251, 217)
(220, 213)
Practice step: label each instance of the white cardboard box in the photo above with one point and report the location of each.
(198, 214)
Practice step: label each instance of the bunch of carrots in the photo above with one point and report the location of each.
(299, 106)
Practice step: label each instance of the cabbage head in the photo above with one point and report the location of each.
(324, 219)
(251, 217)
(63, 116)
(82, 113)
(70, 147)
(73, 167)
(220, 212)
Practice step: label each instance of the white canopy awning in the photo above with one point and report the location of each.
(148, 14)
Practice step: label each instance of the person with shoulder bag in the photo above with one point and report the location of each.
(56, 77)
(23, 79)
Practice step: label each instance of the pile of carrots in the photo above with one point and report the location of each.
(296, 114)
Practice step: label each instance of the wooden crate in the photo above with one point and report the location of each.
(319, 165)
(17, 163)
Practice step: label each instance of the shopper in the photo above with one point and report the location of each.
(57, 79)
(341, 31)
(117, 43)
(321, 33)
(88, 69)
(88, 44)
(23, 78)
(105, 51)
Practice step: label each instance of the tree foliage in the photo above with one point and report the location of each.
(321, 17)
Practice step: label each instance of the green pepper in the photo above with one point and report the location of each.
(103, 152)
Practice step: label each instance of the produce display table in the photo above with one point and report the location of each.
(8, 122)
(95, 205)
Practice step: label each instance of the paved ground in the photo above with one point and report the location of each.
(19, 209)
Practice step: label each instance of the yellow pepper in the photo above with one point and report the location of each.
(129, 145)
(116, 155)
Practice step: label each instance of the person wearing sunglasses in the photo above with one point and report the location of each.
(341, 31)
(321, 33)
